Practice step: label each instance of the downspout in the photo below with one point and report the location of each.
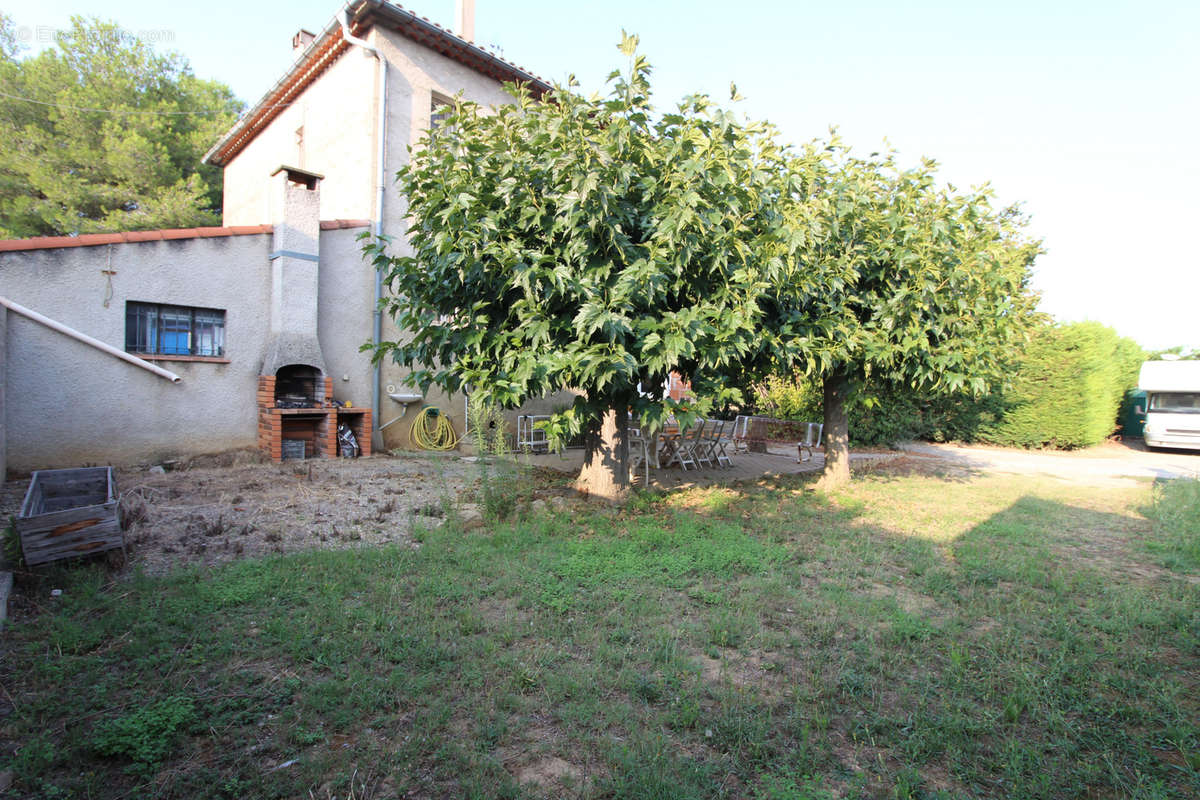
(380, 155)
(88, 340)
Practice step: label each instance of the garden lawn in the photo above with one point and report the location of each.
(912, 636)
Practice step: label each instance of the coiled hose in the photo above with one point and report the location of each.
(431, 430)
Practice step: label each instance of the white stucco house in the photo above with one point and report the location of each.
(261, 319)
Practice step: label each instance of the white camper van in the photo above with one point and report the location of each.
(1172, 403)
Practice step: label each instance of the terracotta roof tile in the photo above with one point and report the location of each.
(180, 233)
(98, 238)
(132, 237)
(336, 224)
(140, 236)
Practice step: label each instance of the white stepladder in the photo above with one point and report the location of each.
(639, 457)
(529, 437)
(811, 441)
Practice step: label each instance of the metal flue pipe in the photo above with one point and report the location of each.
(88, 340)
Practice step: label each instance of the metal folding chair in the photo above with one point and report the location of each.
(716, 439)
(702, 449)
(684, 448)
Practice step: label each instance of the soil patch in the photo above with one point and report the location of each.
(209, 515)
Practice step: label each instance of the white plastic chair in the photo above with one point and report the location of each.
(812, 440)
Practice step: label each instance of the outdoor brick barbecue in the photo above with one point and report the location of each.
(315, 426)
(297, 416)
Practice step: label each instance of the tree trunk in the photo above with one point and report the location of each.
(605, 473)
(756, 437)
(837, 431)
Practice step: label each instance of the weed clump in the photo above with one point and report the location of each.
(147, 735)
(500, 489)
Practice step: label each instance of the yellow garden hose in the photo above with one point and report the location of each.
(431, 430)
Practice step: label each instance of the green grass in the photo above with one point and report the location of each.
(1176, 509)
(911, 637)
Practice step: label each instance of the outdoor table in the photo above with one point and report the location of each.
(665, 445)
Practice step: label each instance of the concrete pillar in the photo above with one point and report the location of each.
(296, 202)
(464, 19)
(295, 249)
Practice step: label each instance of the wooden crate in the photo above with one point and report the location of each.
(69, 512)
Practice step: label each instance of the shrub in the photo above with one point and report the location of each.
(488, 426)
(501, 484)
(880, 413)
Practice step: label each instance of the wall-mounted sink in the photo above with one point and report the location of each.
(405, 399)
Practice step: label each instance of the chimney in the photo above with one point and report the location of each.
(302, 39)
(464, 19)
(295, 214)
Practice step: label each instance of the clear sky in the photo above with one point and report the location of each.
(1088, 113)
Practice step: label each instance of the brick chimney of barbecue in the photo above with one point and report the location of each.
(295, 262)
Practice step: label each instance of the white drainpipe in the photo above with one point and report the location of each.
(381, 153)
(83, 337)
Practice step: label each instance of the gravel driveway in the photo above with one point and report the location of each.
(1107, 464)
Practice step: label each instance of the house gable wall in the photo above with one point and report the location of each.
(416, 73)
(337, 114)
(345, 297)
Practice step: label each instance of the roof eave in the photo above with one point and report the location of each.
(330, 44)
(252, 115)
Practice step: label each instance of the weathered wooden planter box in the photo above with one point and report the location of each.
(68, 513)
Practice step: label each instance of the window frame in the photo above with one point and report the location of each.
(436, 119)
(149, 326)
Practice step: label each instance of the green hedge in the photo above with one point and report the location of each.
(1066, 392)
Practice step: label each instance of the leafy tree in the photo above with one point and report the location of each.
(1178, 352)
(926, 287)
(9, 43)
(588, 242)
(102, 133)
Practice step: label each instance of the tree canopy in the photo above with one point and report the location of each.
(102, 133)
(587, 242)
(593, 243)
(922, 285)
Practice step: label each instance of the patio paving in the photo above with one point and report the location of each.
(746, 467)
